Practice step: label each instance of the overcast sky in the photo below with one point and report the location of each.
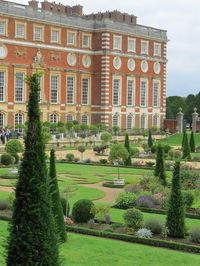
(181, 18)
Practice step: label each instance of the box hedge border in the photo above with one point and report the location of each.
(133, 239)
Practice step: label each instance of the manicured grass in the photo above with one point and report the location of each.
(81, 250)
(176, 140)
(117, 216)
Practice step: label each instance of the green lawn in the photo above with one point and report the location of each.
(81, 250)
(176, 140)
(117, 216)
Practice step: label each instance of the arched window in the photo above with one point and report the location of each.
(69, 118)
(155, 120)
(84, 119)
(115, 120)
(129, 121)
(143, 121)
(1, 120)
(53, 118)
(19, 120)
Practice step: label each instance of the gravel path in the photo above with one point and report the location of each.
(111, 193)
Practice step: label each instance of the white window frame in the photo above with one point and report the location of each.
(157, 117)
(2, 120)
(83, 91)
(5, 27)
(145, 102)
(155, 51)
(119, 38)
(118, 120)
(73, 43)
(19, 120)
(53, 118)
(156, 98)
(3, 86)
(17, 35)
(134, 48)
(84, 122)
(146, 51)
(132, 80)
(145, 121)
(58, 35)
(67, 90)
(129, 116)
(54, 92)
(19, 90)
(119, 79)
(35, 38)
(88, 44)
(71, 116)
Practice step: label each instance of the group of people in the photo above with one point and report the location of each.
(5, 135)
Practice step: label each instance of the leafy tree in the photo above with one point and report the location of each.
(106, 137)
(173, 103)
(160, 168)
(81, 149)
(186, 148)
(32, 240)
(55, 199)
(175, 214)
(127, 146)
(192, 142)
(94, 130)
(118, 152)
(150, 141)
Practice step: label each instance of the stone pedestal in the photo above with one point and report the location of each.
(194, 120)
(179, 119)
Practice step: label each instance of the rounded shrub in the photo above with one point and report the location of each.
(14, 146)
(144, 233)
(3, 204)
(125, 200)
(146, 201)
(133, 218)
(70, 157)
(16, 156)
(195, 235)
(82, 211)
(6, 159)
(154, 225)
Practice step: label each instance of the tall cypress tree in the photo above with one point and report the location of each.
(32, 240)
(186, 148)
(175, 213)
(183, 139)
(55, 199)
(160, 165)
(192, 142)
(150, 141)
(127, 146)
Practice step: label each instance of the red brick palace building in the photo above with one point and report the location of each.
(97, 68)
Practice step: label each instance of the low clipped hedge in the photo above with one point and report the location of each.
(161, 211)
(135, 239)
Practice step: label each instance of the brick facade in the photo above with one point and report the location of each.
(92, 56)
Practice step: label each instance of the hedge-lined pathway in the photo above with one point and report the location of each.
(111, 193)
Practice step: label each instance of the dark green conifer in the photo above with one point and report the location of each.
(160, 165)
(175, 214)
(55, 199)
(32, 240)
(183, 139)
(192, 142)
(127, 146)
(186, 148)
(150, 141)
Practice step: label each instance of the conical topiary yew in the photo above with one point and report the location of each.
(32, 240)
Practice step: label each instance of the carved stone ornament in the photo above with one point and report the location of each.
(20, 53)
(38, 60)
(55, 57)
